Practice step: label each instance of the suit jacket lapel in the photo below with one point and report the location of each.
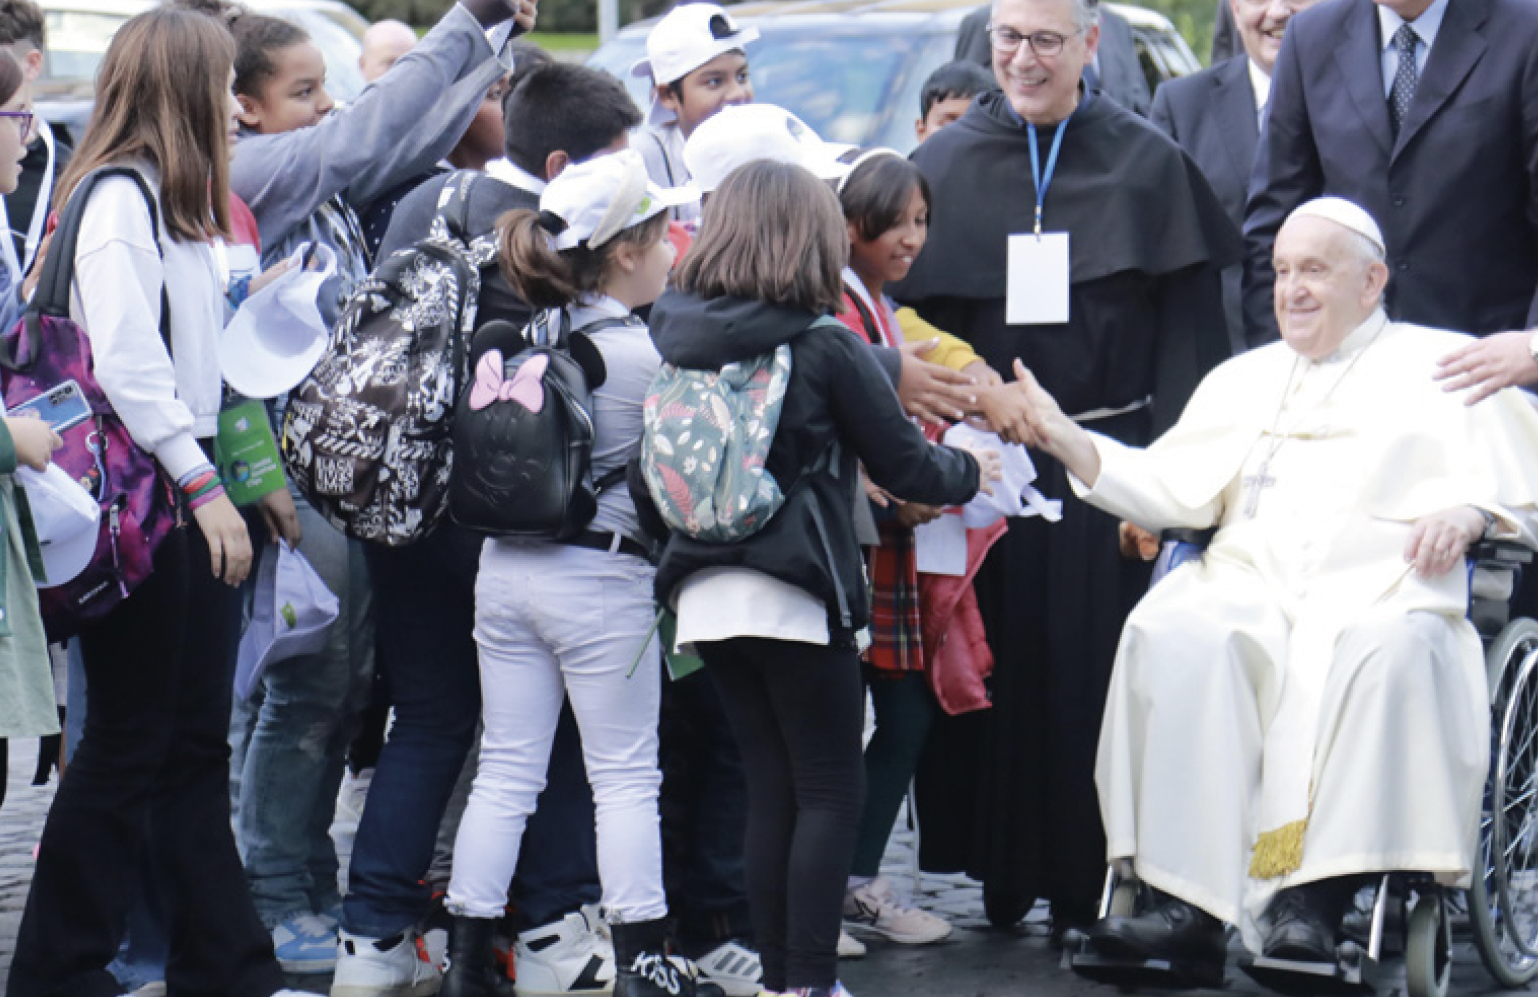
(1234, 103)
(1459, 46)
(1360, 62)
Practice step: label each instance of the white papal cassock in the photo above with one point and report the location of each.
(1300, 705)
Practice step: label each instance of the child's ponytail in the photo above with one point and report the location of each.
(549, 278)
(536, 271)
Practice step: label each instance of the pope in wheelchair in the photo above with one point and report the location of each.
(1306, 704)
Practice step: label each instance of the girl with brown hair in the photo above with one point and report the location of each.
(573, 618)
(150, 779)
(778, 617)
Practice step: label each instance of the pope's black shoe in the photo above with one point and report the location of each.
(1302, 925)
(1172, 930)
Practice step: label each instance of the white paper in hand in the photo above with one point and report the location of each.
(1012, 493)
(291, 611)
(278, 335)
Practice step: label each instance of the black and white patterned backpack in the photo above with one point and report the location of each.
(366, 436)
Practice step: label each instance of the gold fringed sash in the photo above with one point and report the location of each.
(1278, 851)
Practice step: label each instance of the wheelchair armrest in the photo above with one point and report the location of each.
(1186, 535)
(1499, 554)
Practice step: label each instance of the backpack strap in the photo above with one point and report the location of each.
(457, 211)
(872, 330)
(53, 285)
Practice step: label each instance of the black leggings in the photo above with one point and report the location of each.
(797, 711)
(149, 783)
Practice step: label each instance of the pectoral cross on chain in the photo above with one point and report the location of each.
(1253, 483)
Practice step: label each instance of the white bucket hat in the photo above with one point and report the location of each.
(590, 203)
(278, 335)
(688, 37)
(744, 134)
(67, 520)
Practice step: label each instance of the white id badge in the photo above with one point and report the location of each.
(941, 546)
(1037, 292)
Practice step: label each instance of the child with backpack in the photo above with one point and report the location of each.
(696, 64)
(572, 616)
(159, 665)
(777, 615)
(306, 169)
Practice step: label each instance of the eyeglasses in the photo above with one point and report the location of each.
(1044, 43)
(23, 121)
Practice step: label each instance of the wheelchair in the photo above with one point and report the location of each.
(1408, 908)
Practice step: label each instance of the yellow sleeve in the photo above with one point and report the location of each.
(951, 352)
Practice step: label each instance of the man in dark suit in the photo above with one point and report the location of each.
(1214, 115)
(1424, 112)
(1115, 70)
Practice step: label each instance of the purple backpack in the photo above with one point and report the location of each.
(46, 349)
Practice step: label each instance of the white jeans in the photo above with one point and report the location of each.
(552, 622)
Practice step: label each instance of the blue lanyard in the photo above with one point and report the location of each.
(1043, 182)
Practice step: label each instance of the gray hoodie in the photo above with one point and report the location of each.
(303, 185)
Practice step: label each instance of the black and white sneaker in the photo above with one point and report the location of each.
(571, 958)
(655, 975)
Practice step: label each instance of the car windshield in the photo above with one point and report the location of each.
(857, 88)
(77, 43)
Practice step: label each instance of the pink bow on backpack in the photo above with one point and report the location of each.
(525, 387)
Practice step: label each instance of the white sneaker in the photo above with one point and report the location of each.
(392, 967)
(875, 907)
(571, 958)
(850, 947)
(734, 967)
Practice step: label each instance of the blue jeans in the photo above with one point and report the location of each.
(308, 715)
(424, 599)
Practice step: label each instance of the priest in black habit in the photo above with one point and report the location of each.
(1071, 234)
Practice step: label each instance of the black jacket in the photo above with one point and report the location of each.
(840, 410)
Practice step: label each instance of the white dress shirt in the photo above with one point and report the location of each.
(1426, 27)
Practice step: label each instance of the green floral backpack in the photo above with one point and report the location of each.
(707, 435)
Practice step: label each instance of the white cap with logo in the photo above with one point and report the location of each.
(688, 37)
(735, 136)
(590, 203)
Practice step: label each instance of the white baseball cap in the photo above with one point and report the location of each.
(66, 519)
(749, 132)
(590, 203)
(688, 37)
(278, 334)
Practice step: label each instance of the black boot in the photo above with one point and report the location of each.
(1172, 930)
(1303, 920)
(470, 970)
(644, 969)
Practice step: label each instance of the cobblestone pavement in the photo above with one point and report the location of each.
(976, 962)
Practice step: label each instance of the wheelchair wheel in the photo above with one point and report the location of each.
(1428, 949)
(1494, 932)
(1514, 809)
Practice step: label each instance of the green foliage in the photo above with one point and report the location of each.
(1192, 18)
